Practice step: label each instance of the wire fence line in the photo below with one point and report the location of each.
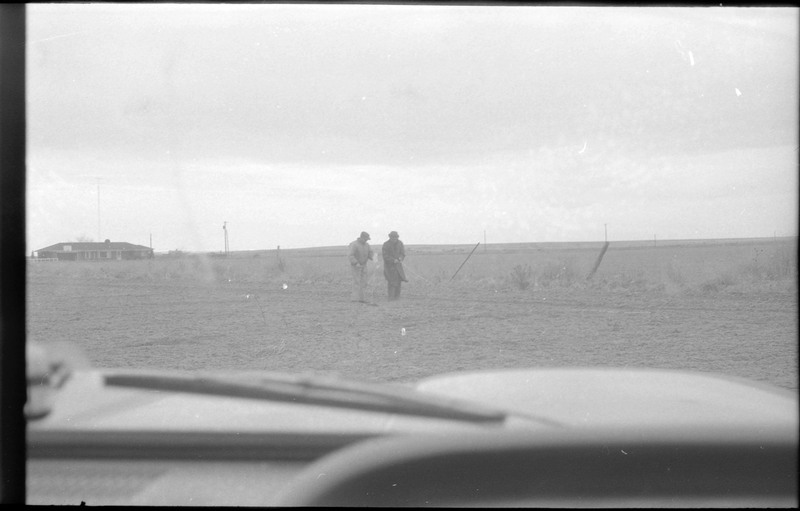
(409, 268)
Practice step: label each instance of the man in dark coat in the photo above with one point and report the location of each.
(393, 254)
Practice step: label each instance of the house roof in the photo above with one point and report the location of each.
(85, 246)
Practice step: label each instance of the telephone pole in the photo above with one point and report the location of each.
(98, 210)
(225, 229)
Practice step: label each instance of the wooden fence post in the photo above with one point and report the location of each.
(597, 262)
(465, 262)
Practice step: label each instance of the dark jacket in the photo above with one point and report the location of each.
(393, 254)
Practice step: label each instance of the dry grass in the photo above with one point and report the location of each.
(718, 307)
(705, 268)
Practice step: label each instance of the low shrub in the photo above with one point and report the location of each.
(561, 274)
(520, 276)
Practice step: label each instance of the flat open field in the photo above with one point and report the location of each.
(726, 306)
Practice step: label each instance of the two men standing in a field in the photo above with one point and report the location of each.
(393, 254)
(360, 253)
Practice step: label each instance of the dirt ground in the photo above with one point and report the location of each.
(433, 329)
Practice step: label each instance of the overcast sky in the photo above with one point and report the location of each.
(302, 126)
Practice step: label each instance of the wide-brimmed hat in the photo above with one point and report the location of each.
(365, 235)
(394, 234)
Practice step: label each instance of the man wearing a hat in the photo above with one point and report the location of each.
(360, 253)
(393, 254)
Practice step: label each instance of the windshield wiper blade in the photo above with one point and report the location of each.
(315, 391)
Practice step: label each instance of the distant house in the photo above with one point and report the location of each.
(93, 251)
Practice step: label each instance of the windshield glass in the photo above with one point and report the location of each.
(390, 192)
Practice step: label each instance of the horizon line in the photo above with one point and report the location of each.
(515, 243)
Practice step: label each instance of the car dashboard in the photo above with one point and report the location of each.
(566, 438)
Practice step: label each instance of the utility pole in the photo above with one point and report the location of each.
(225, 228)
(98, 210)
